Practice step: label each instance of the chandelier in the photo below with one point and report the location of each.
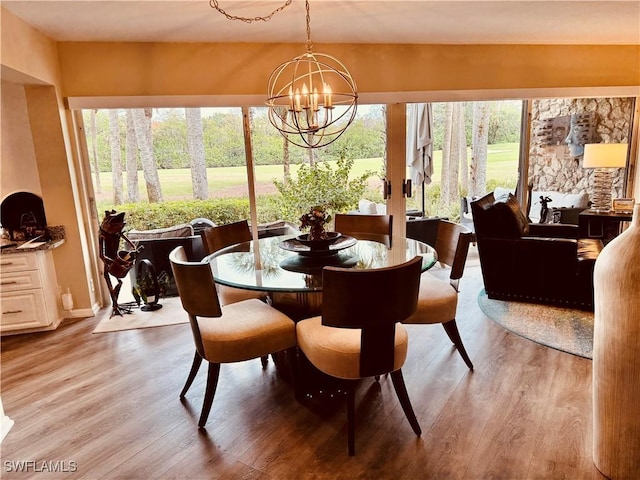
(312, 99)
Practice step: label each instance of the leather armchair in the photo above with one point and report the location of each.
(538, 263)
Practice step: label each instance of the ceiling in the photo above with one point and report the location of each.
(338, 21)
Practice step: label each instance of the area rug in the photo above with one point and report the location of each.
(171, 313)
(564, 329)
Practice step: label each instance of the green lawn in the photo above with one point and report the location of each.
(502, 165)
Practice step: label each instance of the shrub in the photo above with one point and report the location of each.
(146, 216)
(321, 185)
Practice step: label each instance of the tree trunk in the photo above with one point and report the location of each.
(311, 152)
(446, 154)
(116, 160)
(478, 173)
(131, 152)
(464, 160)
(454, 155)
(285, 146)
(94, 147)
(142, 125)
(195, 144)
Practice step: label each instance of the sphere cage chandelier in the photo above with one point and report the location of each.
(312, 99)
(303, 94)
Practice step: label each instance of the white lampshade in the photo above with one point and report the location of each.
(605, 155)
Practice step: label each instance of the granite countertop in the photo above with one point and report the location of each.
(58, 237)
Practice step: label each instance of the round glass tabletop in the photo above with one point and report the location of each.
(265, 265)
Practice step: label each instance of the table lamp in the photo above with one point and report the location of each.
(603, 157)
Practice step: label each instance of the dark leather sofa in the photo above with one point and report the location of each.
(538, 263)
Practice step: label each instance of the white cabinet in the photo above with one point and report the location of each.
(28, 292)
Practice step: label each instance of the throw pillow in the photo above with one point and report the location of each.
(367, 207)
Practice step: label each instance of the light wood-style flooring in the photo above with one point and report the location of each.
(109, 402)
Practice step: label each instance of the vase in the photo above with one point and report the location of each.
(616, 355)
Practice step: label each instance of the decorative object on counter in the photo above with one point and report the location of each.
(623, 205)
(5, 241)
(117, 263)
(23, 216)
(315, 220)
(616, 363)
(149, 287)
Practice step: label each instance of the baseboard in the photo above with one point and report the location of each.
(82, 312)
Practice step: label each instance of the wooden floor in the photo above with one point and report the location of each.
(107, 406)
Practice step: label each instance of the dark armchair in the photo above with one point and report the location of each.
(538, 263)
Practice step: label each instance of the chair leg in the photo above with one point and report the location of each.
(403, 396)
(212, 384)
(195, 366)
(351, 419)
(454, 335)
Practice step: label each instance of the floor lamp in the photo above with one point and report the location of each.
(603, 157)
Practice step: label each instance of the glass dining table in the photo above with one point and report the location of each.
(291, 271)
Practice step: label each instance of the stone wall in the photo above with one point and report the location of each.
(553, 167)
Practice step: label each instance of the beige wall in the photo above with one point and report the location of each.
(164, 74)
(32, 59)
(384, 73)
(18, 169)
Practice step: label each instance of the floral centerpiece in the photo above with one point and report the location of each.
(315, 220)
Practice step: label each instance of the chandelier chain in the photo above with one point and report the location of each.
(309, 42)
(215, 4)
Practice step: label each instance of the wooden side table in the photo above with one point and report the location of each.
(602, 225)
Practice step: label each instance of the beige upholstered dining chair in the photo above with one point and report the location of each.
(233, 333)
(219, 237)
(438, 299)
(359, 334)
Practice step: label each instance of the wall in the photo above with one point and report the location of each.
(31, 59)
(18, 168)
(553, 167)
(384, 73)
